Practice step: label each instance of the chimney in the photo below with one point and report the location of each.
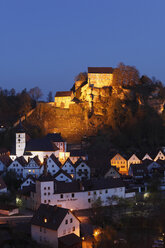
(45, 169)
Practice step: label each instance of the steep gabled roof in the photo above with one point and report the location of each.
(49, 216)
(70, 187)
(69, 161)
(6, 160)
(55, 137)
(62, 172)
(21, 160)
(43, 144)
(79, 161)
(45, 178)
(63, 93)
(56, 161)
(100, 70)
(103, 183)
(69, 240)
(36, 160)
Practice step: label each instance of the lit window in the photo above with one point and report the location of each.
(89, 193)
(45, 220)
(29, 170)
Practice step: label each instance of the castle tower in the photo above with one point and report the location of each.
(20, 140)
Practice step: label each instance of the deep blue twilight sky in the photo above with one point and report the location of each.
(46, 43)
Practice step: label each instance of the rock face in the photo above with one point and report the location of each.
(73, 123)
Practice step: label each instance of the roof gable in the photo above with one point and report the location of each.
(49, 216)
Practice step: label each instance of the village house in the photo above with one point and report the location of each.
(100, 77)
(160, 155)
(58, 141)
(138, 171)
(5, 161)
(112, 172)
(18, 166)
(53, 164)
(133, 160)
(33, 167)
(43, 147)
(76, 154)
(147, 156)
(82, 170)
(27, 182)
(73, 195)
(68, 167)
(63, 99)
(63, 176)
(121, 163)
(51, 223)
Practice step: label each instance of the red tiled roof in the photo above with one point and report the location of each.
(63, 93)
(100, 70)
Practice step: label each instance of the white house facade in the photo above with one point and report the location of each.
(51, 223)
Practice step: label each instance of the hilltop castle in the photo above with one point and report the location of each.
(98, 78)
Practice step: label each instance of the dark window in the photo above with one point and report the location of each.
(48, 193)
(71, 220)
(72, 194)
(61, 196)
(44, 193)
(48, 187)
(66, 222)
(106, 191)
(44, 187)
(73, 229)
(89, 200)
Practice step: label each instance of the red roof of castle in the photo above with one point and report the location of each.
(100, 70)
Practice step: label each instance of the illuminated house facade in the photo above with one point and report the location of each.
(100, 77)
(51, 223)
(63, 99)
(121, 163)
(73, 195)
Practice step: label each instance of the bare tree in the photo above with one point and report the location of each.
(35, 93)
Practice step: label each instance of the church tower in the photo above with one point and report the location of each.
(20, 140)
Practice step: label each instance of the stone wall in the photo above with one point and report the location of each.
(100, 80)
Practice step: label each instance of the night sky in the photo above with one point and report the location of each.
(46, 43)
